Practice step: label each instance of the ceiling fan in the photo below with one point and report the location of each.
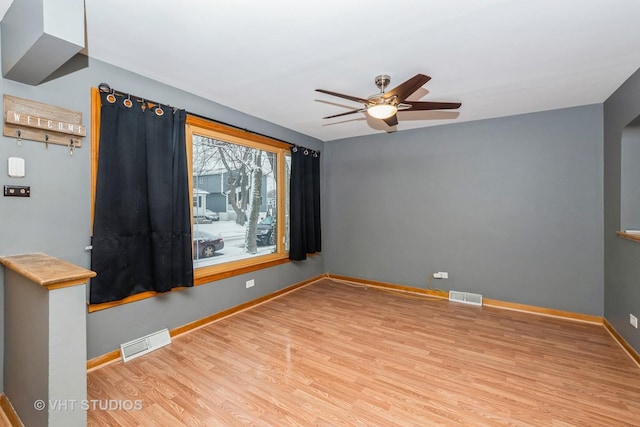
(385, 105)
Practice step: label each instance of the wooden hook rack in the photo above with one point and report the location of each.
(35, 121)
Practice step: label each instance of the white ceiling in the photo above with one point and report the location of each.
(265, 58)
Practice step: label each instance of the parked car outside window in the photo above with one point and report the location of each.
(205, 244)
(206, 218)
(212, 215)
(266, 231)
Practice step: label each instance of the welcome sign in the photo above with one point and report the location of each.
(36, 121)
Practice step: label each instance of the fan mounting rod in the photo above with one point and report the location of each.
(382, 81)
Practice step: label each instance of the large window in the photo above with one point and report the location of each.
(240, 207)
(240, 185)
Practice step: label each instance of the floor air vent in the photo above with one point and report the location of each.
(138, 347)
(465, 297)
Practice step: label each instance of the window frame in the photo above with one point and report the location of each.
(207, 128)
(206, 274)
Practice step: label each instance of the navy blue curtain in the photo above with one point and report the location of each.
(304, 198)
(142, 225)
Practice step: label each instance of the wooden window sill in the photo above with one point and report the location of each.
(204, 275)
(629, 236)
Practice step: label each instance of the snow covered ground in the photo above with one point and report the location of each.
(234, 243)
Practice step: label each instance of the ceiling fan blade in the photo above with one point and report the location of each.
(404, 90)
(344, 114)
(341, 95)
(391, 121)
(433, 106)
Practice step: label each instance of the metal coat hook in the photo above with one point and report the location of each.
(71, 145)
(46, 141)
(19, 132)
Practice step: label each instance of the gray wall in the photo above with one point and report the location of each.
(510, 207)
(622, 257)
(55, 219)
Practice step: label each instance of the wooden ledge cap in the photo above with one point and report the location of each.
(629, 236)
(47, 271)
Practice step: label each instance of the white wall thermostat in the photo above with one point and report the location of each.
(16, 167)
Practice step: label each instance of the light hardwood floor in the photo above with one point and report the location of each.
(331, 354)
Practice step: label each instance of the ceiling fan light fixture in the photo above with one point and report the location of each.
(385, 105)
(382, 111)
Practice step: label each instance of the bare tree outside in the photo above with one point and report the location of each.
(236, 160)
(251, 238)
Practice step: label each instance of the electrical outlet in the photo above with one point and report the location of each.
(17, 191)
(633, 320)
(251, 283)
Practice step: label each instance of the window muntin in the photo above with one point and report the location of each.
(287, 168)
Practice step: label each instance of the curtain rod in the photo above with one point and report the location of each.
(104, 87)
